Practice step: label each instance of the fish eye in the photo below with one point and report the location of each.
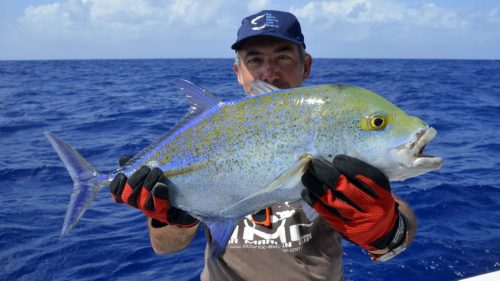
(377, 122)
(374, 122)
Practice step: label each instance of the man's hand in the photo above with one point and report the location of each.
(147, 190)
(356, 200)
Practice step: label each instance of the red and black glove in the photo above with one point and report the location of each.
(147, 190)
(355, 198)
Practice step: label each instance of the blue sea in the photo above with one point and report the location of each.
(109, 108)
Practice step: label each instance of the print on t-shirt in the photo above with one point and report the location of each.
(287, 233)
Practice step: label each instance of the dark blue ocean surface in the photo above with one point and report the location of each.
(108, 108)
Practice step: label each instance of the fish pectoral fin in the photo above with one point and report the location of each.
(220, 231)
(287, 179)
(290, 177)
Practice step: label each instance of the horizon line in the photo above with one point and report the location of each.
(231, 58)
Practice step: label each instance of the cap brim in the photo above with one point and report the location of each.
(238, 43)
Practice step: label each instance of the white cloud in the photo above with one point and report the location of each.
(121, 19)
(353, 11)
(45, 16)
(379, 26)
(125, 9)
(206, 28)
(194, 12)
(431, 15)
(129, 18)
(380, 11)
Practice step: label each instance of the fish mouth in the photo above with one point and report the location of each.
(417, 149)
(411, 158)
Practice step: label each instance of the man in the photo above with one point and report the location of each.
(353, 199)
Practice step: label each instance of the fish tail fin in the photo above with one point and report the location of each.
(86, 185)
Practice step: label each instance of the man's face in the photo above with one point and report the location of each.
(272, 60)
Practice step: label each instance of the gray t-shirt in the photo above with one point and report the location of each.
(292, 248)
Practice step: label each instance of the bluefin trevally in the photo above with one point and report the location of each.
(229, 159)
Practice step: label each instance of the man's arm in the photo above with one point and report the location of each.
(170, 238)
(411, 219)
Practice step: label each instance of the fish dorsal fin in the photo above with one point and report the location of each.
(260, 87)
(199, 98)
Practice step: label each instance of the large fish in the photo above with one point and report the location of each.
(230, 159)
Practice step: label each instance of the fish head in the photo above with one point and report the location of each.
(378, 132)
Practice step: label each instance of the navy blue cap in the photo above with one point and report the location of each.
(270, 23)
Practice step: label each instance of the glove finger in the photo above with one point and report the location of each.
(347, 209)
(180, 218)
(333, 186)
(163, 211)
(383, 193)
(357, 171)
(156, 208)
(137, 179)
(333, 216)
(343, 204)
(124, 159)
(133, 187)
(153, 177)
(330, 204)
(324, 171)
(309, 197)
(350, 193)
(116, 187)
(316, 190)
(351, 167)
(158, 193)
(313, 183)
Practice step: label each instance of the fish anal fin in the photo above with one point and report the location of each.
(220, 231)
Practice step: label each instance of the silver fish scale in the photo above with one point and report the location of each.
(234, 152)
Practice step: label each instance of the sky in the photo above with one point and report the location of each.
(135, 29)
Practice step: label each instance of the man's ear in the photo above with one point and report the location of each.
(237, 71)
(307, 66)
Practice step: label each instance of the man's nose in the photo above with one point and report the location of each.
(270, 72)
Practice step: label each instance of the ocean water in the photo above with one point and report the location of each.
(108, 108)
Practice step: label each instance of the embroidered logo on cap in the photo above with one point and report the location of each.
(268, 20)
